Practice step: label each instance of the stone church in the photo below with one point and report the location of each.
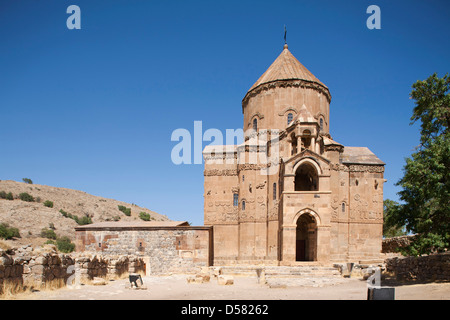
(317, 201)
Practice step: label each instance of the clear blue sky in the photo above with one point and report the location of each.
(94, 109)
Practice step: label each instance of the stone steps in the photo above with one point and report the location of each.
(308, 271)
(310, 275)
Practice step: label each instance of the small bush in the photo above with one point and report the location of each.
(7, 232)
(84, 220)
(125, 210)
(63, 244)
(48, 233)
(26, 180)
(145, 216)
(48, 203)
(26, 197)
(7, 196)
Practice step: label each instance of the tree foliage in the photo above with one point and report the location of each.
(27, 180)
(426, 181)
(390, 227)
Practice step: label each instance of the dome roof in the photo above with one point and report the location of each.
(286, 67)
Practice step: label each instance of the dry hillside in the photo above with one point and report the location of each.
(31, 217)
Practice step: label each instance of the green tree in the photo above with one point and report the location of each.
(26, 180)
(390, 228)
(426, 182)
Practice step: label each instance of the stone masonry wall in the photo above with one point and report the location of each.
(171, 250)
(37, 267)
(391, 245)
(434, 267)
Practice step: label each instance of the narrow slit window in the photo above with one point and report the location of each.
(274, 191)
(243, 205)
(343, 207)
(255, 124)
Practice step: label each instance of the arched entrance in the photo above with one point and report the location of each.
(306, 178)
(306, 238)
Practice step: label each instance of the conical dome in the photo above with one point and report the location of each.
(286, 67)
(282, 93)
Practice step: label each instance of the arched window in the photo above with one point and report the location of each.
(289, 118)
(255, 124)
(343, 206)
(306, 178)
(243, 205)
(274, 191)
(321, 125)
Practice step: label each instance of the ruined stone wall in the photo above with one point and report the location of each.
(167, 250)
(434, 267)
(391, 245)
(26, 267)
(11, 271)
(89, 267)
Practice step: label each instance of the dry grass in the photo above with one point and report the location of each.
(8, 289)
(4, 245)
(17, 290)
(11, 290)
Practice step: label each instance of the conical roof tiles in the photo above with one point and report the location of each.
(286, 67)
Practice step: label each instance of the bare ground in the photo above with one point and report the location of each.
(175, 287)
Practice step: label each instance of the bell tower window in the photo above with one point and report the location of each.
(306, 178)
(321, 124)
(255, 124)
(306, 139)
(293, 145)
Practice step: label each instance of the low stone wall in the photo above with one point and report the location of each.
(46, 267)
(89, 267)
(391, 245)
(25, 267)
(10, 271)
(434, 267)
